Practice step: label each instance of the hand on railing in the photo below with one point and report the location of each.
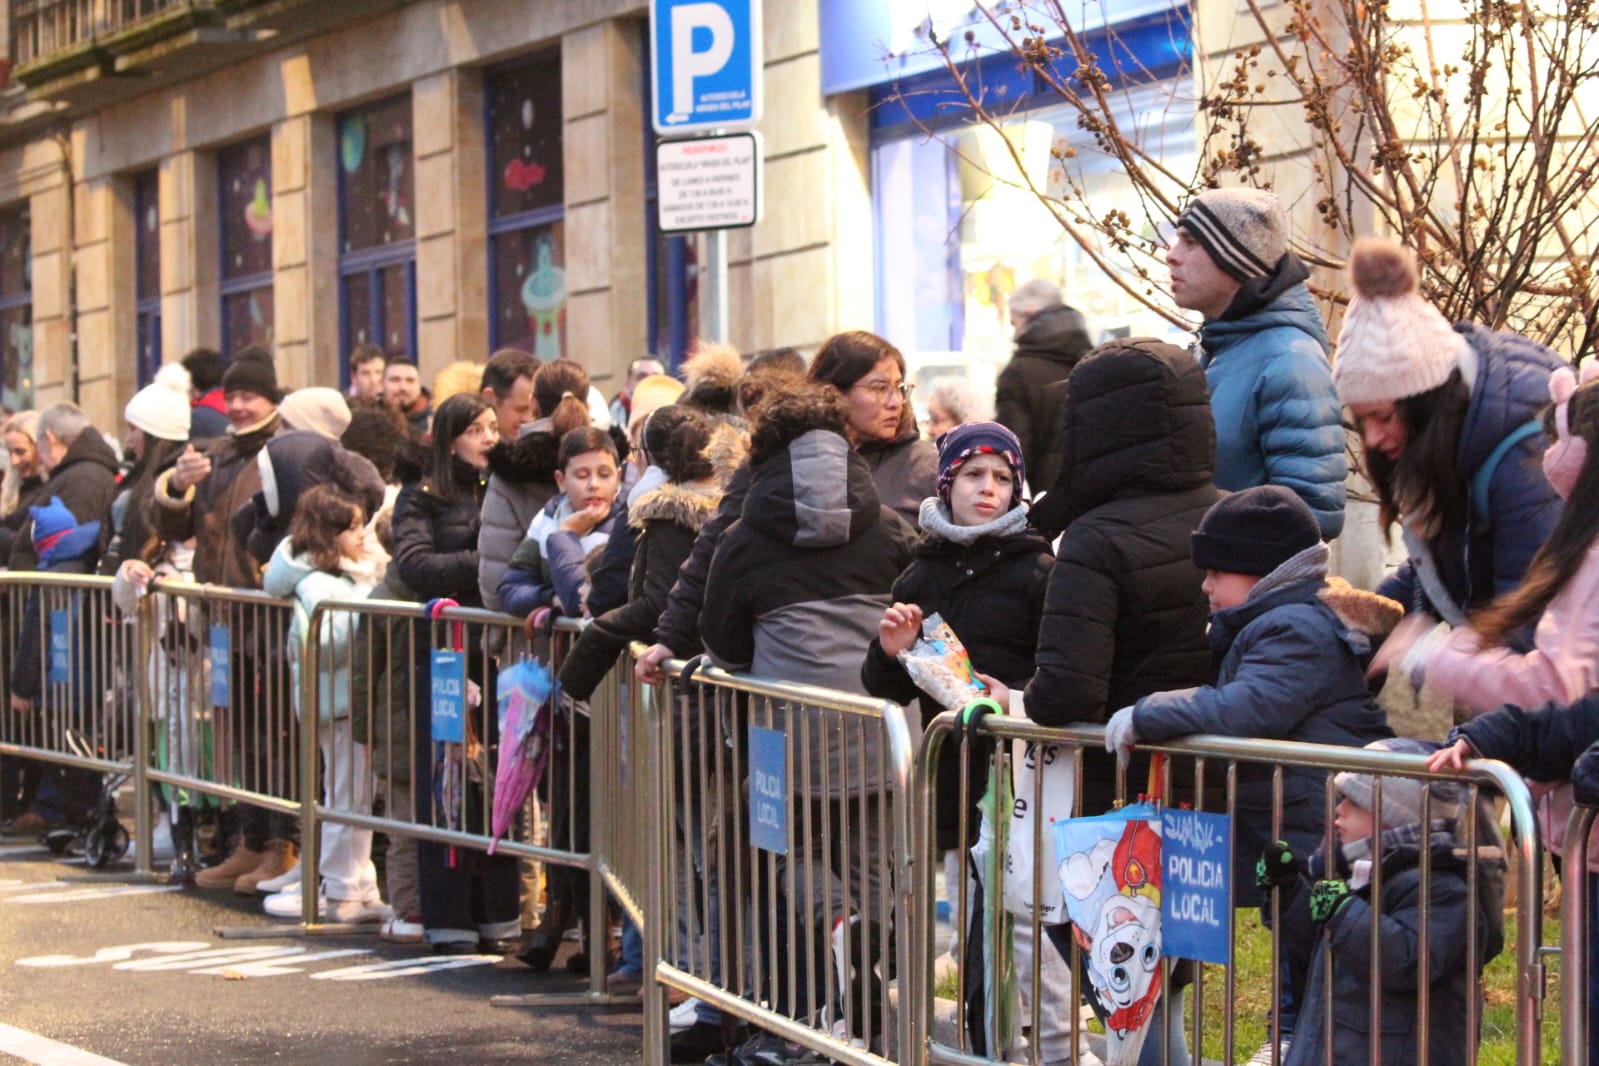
(1277, 867)
(1326, 898)
(21, 706)
(1453, 757)
(1120, 736)
(648, 667)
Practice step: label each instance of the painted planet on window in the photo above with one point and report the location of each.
(258, 214)
(352, 143)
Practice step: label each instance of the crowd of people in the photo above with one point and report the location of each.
(1140, 540)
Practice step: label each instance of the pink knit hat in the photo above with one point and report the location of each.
(1393, 343)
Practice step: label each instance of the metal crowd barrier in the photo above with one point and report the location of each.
(213, 670)
(1575, 928)
(781, 835)
(1216, 761)
(62, 640)
(445, 793)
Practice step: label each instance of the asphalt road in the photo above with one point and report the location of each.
(139, 974)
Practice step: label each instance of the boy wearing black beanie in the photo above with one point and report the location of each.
(1289, 668)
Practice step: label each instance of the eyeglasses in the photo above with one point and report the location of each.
(881, 389)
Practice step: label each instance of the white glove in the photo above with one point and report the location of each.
(1119, 735)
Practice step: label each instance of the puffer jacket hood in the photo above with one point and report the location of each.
(816, 493)
(1137, 421)
(689, 506)
(1510, 390)
(90, 448)
(528, 459)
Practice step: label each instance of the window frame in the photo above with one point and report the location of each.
(146, 309)
(370, 263)
(244, 284)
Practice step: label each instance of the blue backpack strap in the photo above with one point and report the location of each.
(1484, 476)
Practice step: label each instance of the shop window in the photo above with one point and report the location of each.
(377, 230)
(147, 273)
(673, 289)
(16, 309)
(958, 229)
(244, 197)
(527, 233)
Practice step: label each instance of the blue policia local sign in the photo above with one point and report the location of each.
(705, 63)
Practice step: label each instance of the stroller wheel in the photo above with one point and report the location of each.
(105, 844)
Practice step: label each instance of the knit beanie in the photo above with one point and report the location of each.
(979, 438)
(1401, 796)
(1244, 230)
(649, 394)
(252, 371)
(161, 408)
(1254, 531)
(321, 410)
(1393, 343)
(57, 537)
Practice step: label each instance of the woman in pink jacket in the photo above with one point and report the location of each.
(1472, 663)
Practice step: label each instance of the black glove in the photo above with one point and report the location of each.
(967, 717)
(1325, 899)
(1277, 867)
(1585, 778)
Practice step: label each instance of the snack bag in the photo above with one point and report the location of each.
(941, 667)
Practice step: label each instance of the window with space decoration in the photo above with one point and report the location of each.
(16, 309)
(147, 272)
(527, 246)
(377, 230)
(244, 176)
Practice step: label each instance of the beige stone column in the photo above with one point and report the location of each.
(48, 211)
(191, 311)
(305, 254)
(805, 271)
(104, 227)
(607, 309)
(452, 317)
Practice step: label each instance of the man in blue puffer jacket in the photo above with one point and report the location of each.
(1264, 350)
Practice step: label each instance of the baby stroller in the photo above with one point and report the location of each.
(100, 837)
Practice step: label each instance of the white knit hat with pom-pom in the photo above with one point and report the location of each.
(161, 408)
(1393, 343)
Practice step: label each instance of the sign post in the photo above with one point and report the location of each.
(705, 71)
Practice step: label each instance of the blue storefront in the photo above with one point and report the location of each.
(959, 222)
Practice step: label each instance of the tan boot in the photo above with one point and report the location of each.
(229, 870)
(280, 857)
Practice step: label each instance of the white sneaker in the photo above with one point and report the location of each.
(1263, 1056)
(355, 911)
(399, 931)
(289, 878)
(160, 843)
(684, 1015)
(286, 904)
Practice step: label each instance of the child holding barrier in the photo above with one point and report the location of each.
(327, 557)
(982, 569)
(1288, 667)
(1328, 910)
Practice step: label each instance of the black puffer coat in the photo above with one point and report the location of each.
(27, 496)
(435, 540)
(904, 470)
(1124, 615)
(991, 593)
(130, 511)
(799, 583)
(1046, 351)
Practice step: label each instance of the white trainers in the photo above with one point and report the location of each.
(399, 931)
(286, 904)
(287, 879)
(1263, 1056)
(684, 1015)
(354, 911)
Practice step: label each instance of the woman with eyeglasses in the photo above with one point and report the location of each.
(870, 372)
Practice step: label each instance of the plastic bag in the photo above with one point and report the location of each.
(941, 667)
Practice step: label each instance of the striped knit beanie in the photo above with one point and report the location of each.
(979, 438)
(1244, 230)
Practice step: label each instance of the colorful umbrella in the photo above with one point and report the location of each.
(526, 693)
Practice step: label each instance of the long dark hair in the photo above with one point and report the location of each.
(319, 517)
(1423, 487)
(450, 421)
(845, 358)
(1559, 558)
(561, 393)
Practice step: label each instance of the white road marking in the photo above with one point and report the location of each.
(266, 960)
(80, 893)
(31, 1047)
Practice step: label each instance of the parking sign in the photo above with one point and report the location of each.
(705, 64)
